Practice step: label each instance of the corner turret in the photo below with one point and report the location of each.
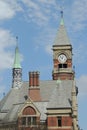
(74, 107)
(17, 69)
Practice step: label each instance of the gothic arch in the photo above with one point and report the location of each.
(29, 111)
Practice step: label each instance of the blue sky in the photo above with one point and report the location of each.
(36, 22)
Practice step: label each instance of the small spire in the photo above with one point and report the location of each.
(58, 81)
(62, 21)
(17, 57)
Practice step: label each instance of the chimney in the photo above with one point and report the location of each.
(34, 89)
(34, 78)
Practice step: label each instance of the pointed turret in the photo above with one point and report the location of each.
(17, 57)
(17, 70)
(74, 107)
(62, 37)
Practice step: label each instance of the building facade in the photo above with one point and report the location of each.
(43, 105)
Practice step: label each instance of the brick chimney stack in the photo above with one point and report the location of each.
(34, 89)
(34, 78)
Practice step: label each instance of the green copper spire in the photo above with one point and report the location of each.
(17, 58)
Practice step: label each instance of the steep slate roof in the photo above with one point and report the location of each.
(61, 36)
(12, 115)
(61, 95)
(53, 96)
(14, 96)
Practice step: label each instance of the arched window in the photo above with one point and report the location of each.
(28, 117)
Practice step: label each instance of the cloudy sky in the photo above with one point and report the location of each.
(36, 22)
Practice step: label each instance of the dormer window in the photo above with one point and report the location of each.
(29, 117)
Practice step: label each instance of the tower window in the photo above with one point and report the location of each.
(59, 121)
(62, 66)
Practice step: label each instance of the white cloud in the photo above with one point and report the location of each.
(39, 11)
(82, 85)
(50, 2)
(33, 12)
(79, 14)
(6, 42)
(45, 39)
(49, 49)
(8, 9)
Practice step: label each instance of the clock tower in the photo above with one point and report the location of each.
(62, 54)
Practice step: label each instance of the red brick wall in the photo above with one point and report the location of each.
(56, 63)
(34, 90)
(68, 62)
(34, 94)
(66, 121)
(53, 122)
(63, 76)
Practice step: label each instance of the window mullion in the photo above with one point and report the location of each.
(31, 120)
(26, 121)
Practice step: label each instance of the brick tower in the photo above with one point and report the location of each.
(62, 54)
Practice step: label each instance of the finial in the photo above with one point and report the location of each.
(58, 81)
(16, 40)
(61, 13)
(4, 94)
(62, 21)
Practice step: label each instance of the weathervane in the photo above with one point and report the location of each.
(61, 8)
(16, 40)
(61, 13)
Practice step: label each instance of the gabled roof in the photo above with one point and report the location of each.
(53, 96)
(61, 36)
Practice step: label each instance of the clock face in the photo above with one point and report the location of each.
(62, 58)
